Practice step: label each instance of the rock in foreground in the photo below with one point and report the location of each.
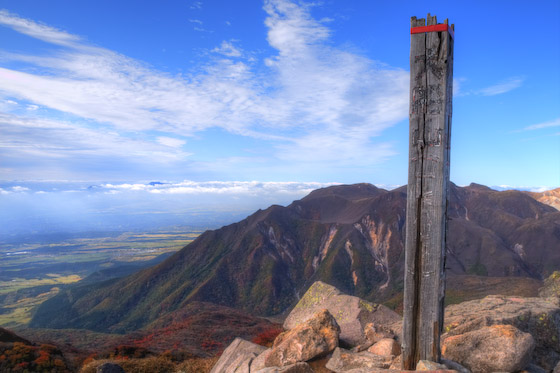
(351, 313)
(344, 361)
(493, 334)
(237, 357)
(496, 348)
(316, 337)
(535, 316)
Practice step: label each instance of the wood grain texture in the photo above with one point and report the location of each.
(431, 76)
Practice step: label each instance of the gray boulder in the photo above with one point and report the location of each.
(347, 361)
(496, 348)
(258, 362)
(237, 357)
(351, 313)
(315, 337)
(536, 316)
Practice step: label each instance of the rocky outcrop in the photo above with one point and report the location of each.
(237, 357)
(344, 361)
(493, 334)
(377, 332)
(386, 347)
(351, 313)
(316, 337)
(535, 316)
(258, 362)
(496, 348)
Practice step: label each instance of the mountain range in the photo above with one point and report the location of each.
(350, 236)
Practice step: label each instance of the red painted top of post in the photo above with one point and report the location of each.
(433, 28)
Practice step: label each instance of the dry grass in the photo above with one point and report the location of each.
(201, 365)
(146, 365)
(159, 364)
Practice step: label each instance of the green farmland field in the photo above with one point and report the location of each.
(32, 272)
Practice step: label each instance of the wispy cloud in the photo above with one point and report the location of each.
(37, 30)
(538, 126)
(311, 100)
(228, 49)
(58, 139)
(503, 87)
(170, 141)
(343, 98)
(31, 147)
(196, 5)
(14, 189)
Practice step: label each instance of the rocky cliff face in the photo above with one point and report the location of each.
(349, 236)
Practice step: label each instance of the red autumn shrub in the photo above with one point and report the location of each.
(267, 336)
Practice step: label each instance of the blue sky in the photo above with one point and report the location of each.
(126, 92)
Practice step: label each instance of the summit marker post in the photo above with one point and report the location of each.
(431, 94)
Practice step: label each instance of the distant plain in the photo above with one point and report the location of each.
(35, 269)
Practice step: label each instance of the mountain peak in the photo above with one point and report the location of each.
(350, 192)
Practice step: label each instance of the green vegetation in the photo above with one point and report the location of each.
(50, 279)
(31, 273)
(477, 269)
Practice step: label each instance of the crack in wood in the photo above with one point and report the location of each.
(429, 141)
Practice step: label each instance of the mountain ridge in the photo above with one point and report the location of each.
(350, 236)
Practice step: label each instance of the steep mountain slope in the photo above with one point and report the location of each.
(550, 197)
(349, 236)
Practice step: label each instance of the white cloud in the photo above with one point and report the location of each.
(19, 189)
(457, 83)
(196, 5)
(549, 124)
(315, 102)
(536, 189)
(291, 28)
(503, 87)
(228, 49)
(36, 137)
(251, 188)
(170, 141)
(38, 31)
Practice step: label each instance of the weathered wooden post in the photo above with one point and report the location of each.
(431, 90)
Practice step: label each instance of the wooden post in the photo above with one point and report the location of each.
(431, 90)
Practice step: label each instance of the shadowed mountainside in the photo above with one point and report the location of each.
(350, 236)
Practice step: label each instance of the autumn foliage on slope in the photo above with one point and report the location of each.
(21, 357)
